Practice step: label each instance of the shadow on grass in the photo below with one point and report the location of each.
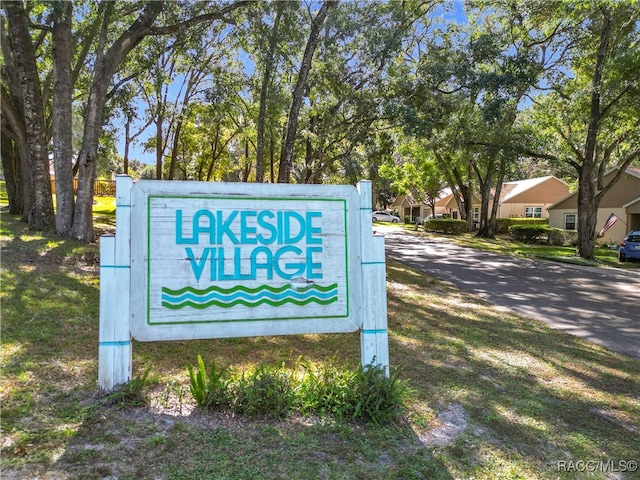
(49, 340)
(531, 396)
(535, 394)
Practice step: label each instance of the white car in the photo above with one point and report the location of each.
(384, 217)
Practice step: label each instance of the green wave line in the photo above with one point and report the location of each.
(261, 288)
(279, 303)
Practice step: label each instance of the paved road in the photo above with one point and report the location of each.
(598, 304)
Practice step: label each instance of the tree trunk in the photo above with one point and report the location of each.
(587, 201)
(493, 224)
(286, 157)
(15, 157)
(264, 90)
(487, 226)
(485, 194)
(62, 115)
(105, 67)
(159, 141)
(14, 152)
(11, 168)
(127, 143)
(193, 79)
(41, 215)
(458, 188)
(272, 155)
(587, 215)
(247, 162)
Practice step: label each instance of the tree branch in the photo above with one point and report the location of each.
(217, 15)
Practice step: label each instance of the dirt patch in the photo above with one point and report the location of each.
(452, 422)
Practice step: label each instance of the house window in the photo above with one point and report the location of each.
(570, 220)
(476, 213)
(533, 212)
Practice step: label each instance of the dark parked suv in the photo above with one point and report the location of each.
(630, 246)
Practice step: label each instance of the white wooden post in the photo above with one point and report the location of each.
(115, 350)
(374, 336)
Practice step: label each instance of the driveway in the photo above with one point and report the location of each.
(598, 304)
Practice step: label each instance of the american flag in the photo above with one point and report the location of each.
(608, 224)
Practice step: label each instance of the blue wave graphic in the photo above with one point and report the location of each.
(249, 297)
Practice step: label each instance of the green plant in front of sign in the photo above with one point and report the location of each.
(209, 389)
(134, 392)
(326, 389)
(379, 397)
(267, 391)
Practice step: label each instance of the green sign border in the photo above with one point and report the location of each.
(244, 198)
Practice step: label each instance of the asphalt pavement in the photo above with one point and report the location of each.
(598, 304)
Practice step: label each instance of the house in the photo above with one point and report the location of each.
(406, 205)
(447, 205)
(623, 200)
(528, 198)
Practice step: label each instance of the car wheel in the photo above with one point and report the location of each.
(395, 221)
(374, 219)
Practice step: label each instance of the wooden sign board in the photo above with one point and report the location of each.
(215, 260)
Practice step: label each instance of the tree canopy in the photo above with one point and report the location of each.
(417, 95)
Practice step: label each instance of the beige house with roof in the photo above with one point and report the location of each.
(623, 200)
(405, 205)
(528, 198)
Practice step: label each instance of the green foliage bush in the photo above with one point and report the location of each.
(209, 388)
(529, 233)
(539, 234)
(558, 237)
(503, 224)
(326, 390)
(445, 225)
(379, 397)
(265, 392)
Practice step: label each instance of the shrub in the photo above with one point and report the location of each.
(503, 224)
(267, 391)
(444, 225)
(364, 393)
(326, 390)
(209, 389)
(529, 233)
(379, 398)
(557, 236)
(407, 219)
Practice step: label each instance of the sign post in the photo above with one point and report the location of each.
(374, 338)
(114, 350)
(195, 260)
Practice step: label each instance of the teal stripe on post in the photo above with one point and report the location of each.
(122, 343)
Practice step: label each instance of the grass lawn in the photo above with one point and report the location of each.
(493, 395)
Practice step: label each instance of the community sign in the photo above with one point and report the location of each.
(236, 259)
